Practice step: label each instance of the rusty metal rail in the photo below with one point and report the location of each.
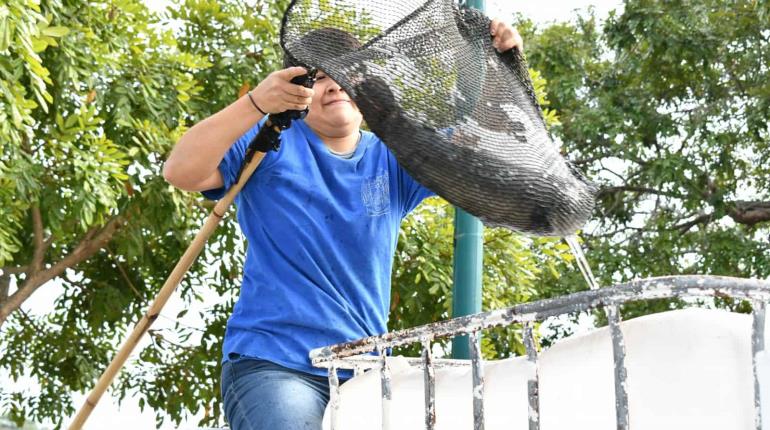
(349, 355)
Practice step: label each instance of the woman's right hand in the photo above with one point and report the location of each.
(276, 93)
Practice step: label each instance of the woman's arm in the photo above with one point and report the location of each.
(192, 164)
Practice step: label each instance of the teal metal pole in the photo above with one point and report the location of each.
(476, 4)
(468, 259)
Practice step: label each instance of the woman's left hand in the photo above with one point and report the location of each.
(505, 37)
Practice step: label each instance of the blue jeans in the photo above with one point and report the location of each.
(261, 395)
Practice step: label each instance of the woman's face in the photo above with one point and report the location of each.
(332, 112)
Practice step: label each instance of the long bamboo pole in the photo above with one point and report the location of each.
(181, 268)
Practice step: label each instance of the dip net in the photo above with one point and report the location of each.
(460, 117)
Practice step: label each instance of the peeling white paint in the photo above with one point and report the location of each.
(763, 375)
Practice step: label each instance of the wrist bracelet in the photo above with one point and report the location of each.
(255, 104)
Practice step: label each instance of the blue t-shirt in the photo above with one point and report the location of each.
(321, 232)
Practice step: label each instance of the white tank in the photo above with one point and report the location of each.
(687, 369)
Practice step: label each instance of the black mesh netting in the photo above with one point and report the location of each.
(461, 118)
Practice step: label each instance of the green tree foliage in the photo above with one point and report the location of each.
(94, 95)
(6, 424)
(310, 16)
(666, 106)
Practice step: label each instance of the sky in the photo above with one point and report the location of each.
(128, 416)
(545, 11)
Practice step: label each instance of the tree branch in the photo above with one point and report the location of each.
(41, 244)
(634, 189)
(749, 213)
(621, 229)
(124, 274)
(5, 285)
(16, 270)
(686, 226)
(588, 160)
(157, 335)
(94, 240)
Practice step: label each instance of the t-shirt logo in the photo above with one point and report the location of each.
(376, 194)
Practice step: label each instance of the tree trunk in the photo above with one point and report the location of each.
(93, 242)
